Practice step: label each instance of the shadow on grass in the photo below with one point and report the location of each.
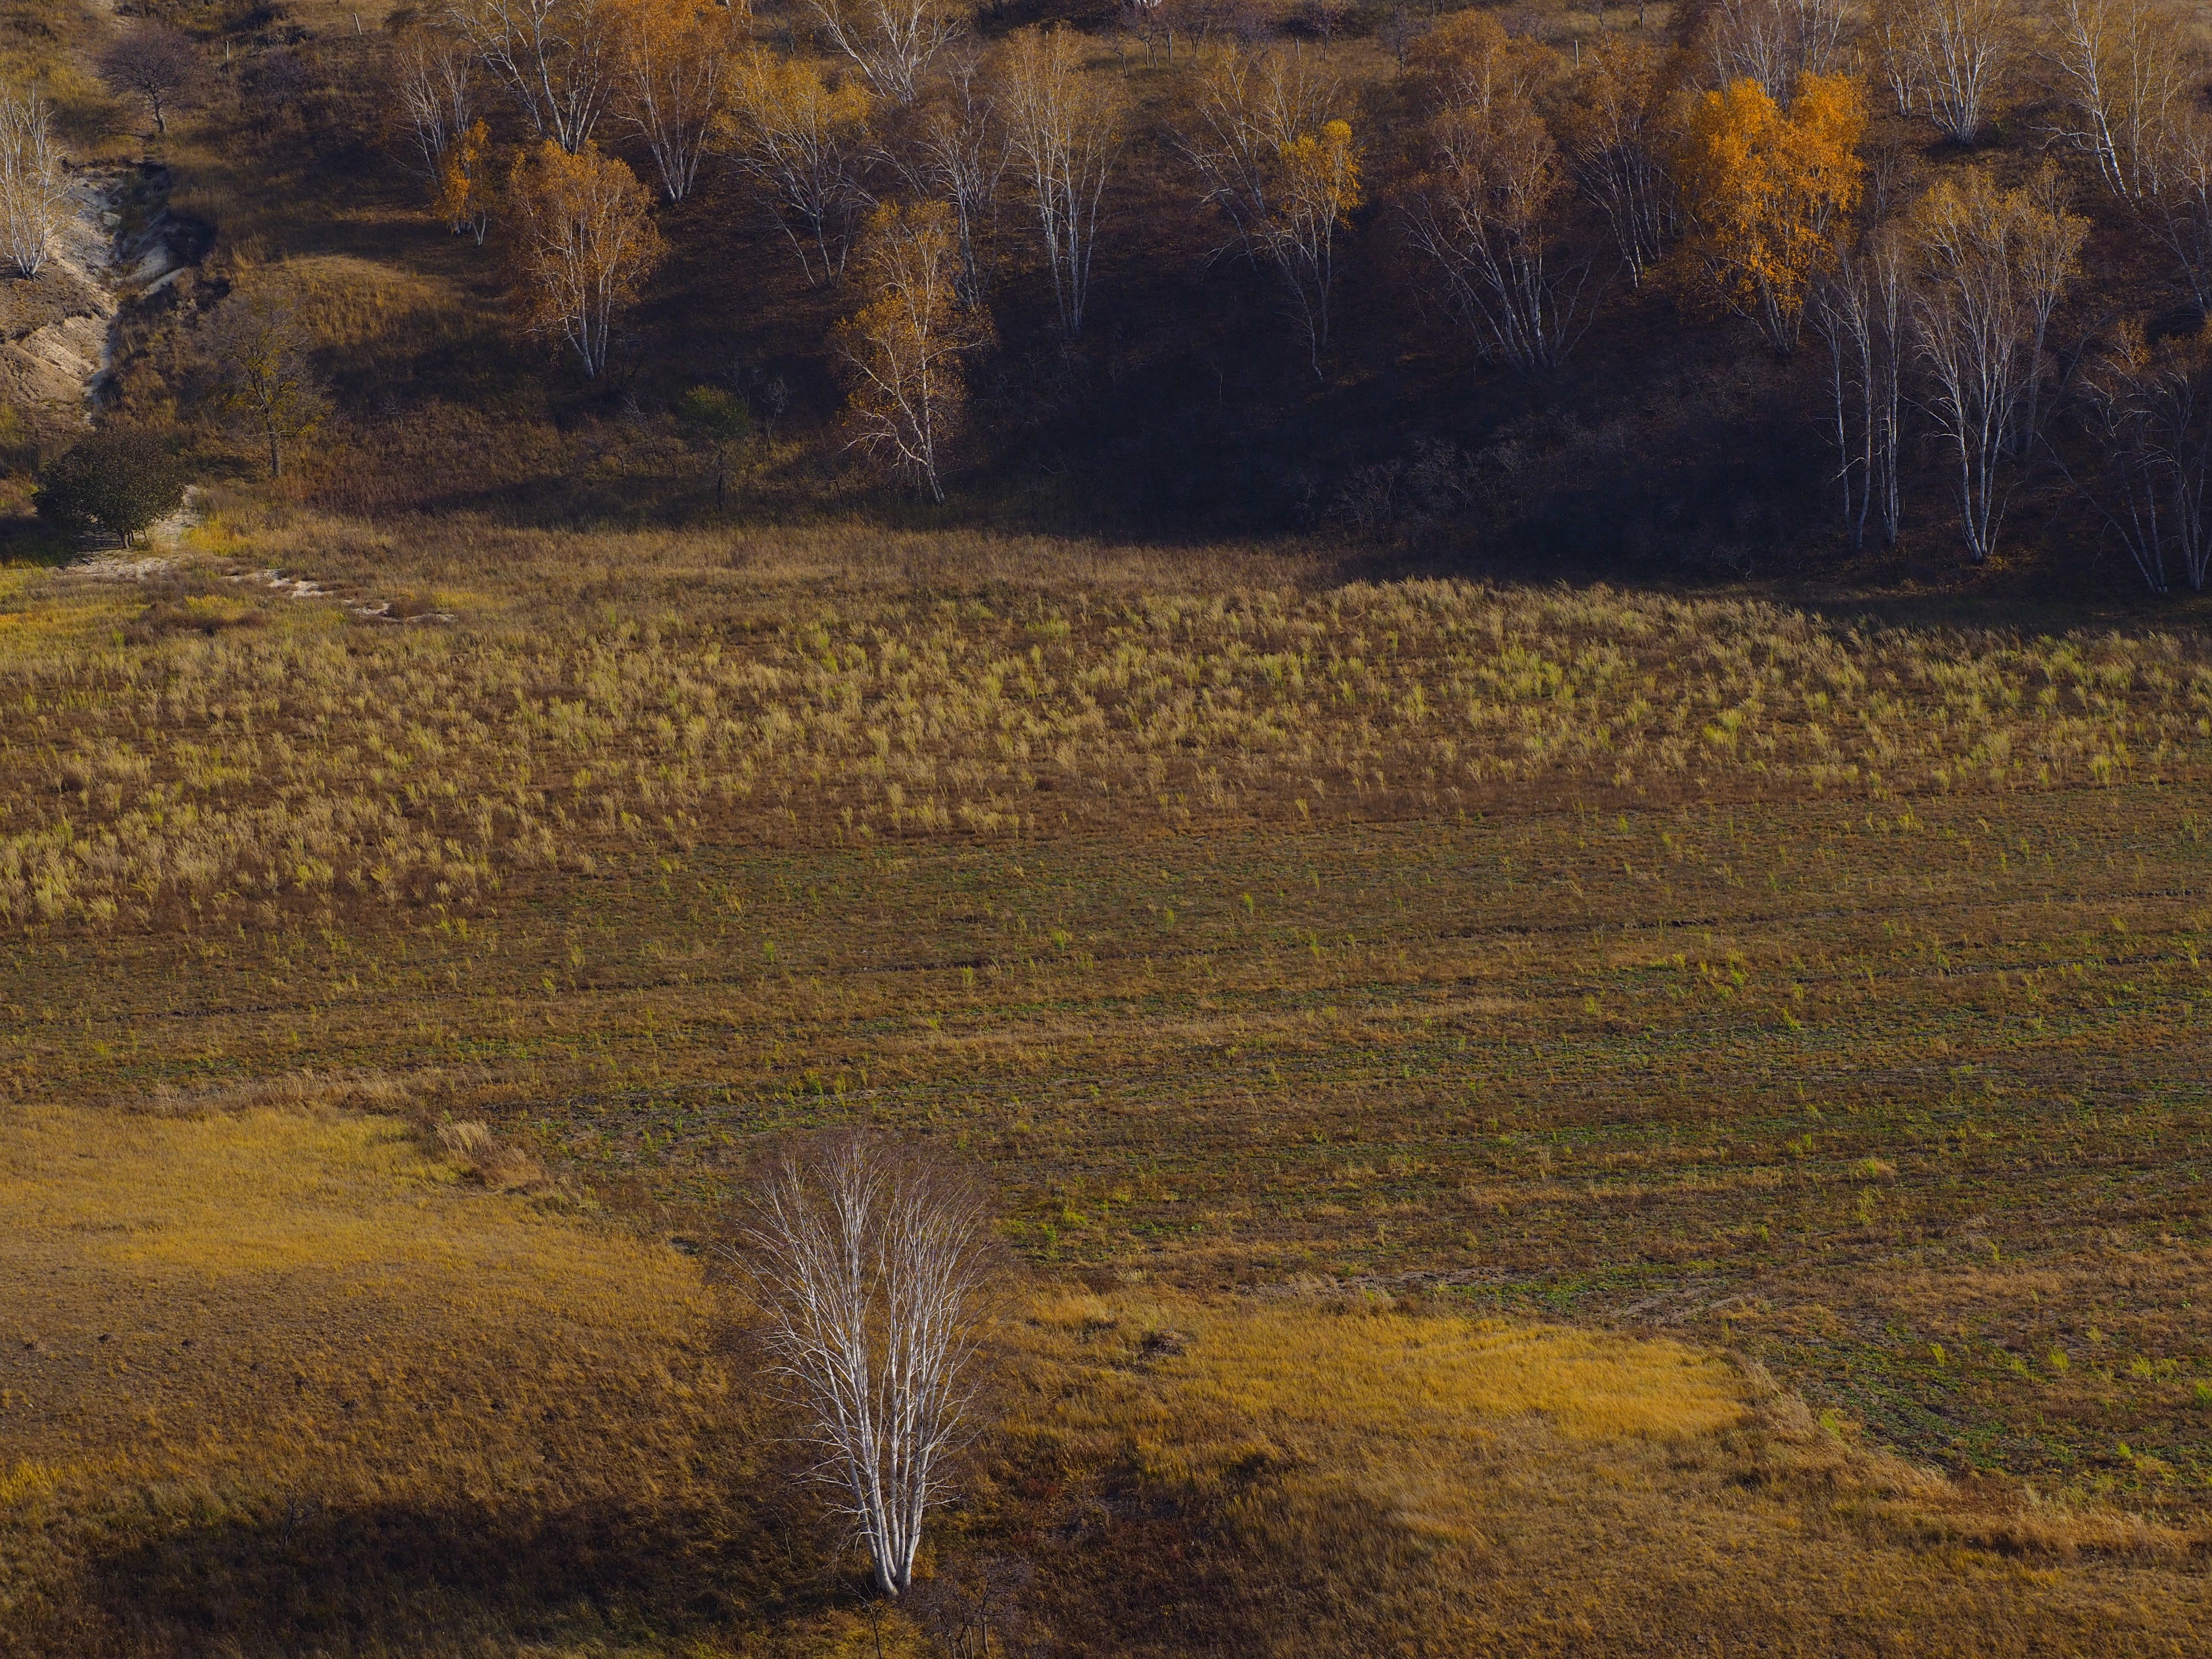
(298, 1576)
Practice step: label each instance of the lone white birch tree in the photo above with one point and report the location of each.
(871, 1267)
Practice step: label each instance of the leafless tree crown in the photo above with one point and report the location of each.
(33, 191)
(871, 1266)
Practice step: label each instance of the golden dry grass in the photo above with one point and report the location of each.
(1339, 1476)
(320, 763)
(240, 1334)
(277, 1382)
(1888, 1078)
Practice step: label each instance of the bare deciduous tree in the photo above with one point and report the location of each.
(1774, 42)
(1148, 21)
(1483, 211)
(871, 1266)
(1066, 127)
(556, 59)
(1613, 126)
(1859, 309)
(157, 66)
(2049, 259)
(2119, 69)
(958, 151)
(802, 143)
(2179, 211)
(1892, 37)
(33, 191)
(892, 42)
(2149, 413)
(1959, 51)
(2153, 406)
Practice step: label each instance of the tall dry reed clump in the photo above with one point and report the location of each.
(590, 702)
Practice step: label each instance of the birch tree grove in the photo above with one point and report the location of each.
(33, 191)
(870, 1267)
(1065, 127)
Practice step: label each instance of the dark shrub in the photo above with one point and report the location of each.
(120, 481)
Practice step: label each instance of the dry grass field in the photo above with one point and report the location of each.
(1528, 1118)
(1534, 1119)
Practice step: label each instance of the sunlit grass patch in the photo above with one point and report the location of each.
(41, 616)
(1411, 1375)
(278, 1370)
(1343, 1391)
(1330, 1475)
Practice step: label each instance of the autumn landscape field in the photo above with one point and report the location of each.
(1575, 1002)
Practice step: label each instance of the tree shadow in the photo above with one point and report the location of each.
(296, 1575)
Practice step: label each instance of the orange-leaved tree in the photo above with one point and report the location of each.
(901, 350)
(803, 143)
(463, 199)
(674, 58)
(1769, 191)
(584, 240)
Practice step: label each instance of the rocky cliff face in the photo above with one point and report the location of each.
(57, 329)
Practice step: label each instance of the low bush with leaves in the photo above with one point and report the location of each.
(120, 481)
